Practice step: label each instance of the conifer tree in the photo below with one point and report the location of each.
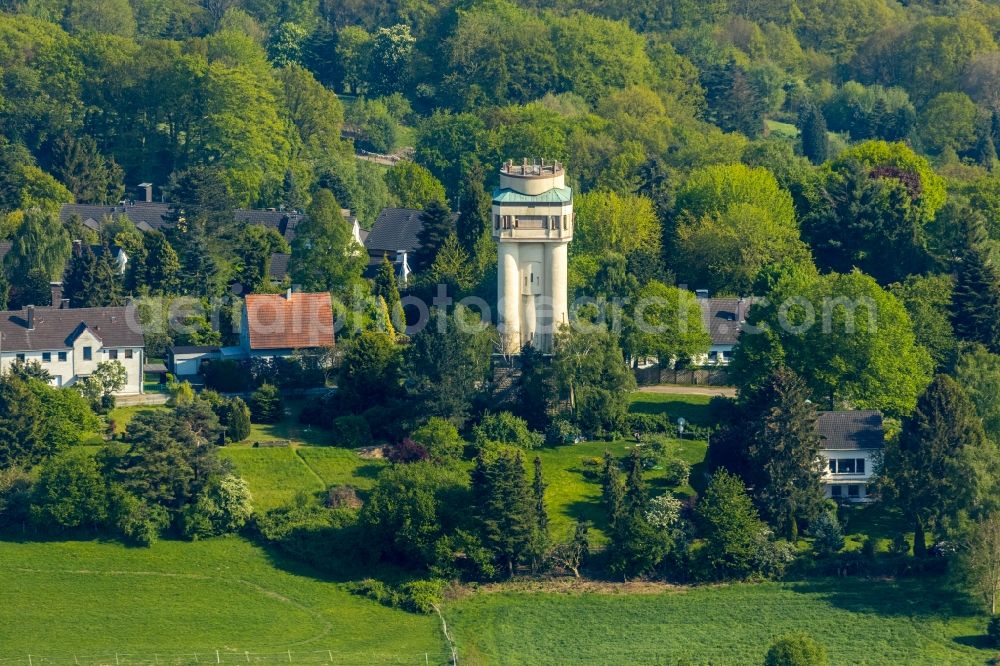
(474, 214)
(161, 270)
(943, 464)
(437, 226)
(80, 274)
(541, 537)
(985, 151)
(107, 285)
(783, 449)
(976, 299)
(504, 508)
(815, 144)
(385, 286)
(635, 488)
(612, 489)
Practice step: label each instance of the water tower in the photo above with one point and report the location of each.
(533, 225)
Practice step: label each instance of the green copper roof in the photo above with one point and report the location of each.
(555, 195)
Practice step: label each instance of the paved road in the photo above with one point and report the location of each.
(676, 389)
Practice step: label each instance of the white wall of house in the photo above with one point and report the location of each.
(717, 355)
(852, 483)
(68, 365)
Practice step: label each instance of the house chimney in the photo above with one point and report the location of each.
(63, 304)
(30, 316)
(288, 294)
(146, 192)
(701, 293)
(56, 288)
(77, 247)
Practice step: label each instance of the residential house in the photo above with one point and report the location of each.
(395, 235)
(272, 326)
(70, 342)
(851, 445)
(724, 319)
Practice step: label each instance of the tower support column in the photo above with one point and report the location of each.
(510, 290)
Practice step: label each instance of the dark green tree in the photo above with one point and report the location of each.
(445, 366)
(540, 540)
(385, 285)
(161, 269)
(20, 415)
(235, 416)
(324, 254)
(106, 286)
(812, 126)
(32, 288)
(89, 175)
(370, 373)
(80, 274)
(473, 224)
(976, 298)
(437, 226)
(612, 489)
(70, 493)
(943, 464)
(783, 449)
(266, 404)
(504, 508)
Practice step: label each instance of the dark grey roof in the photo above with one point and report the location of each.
(56, 328)
(279, 266)
(724, 318)
(144, 215)
(194, 349)
(395, 229)
(284, 221)
(154, 367)
(857, 429)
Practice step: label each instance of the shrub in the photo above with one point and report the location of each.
(561, 431)
(138, 521)
(15, 496)
(224, 507)
(796, 650)
(829, 536)
(237, 420)
(649, 423)
(899, 545)
(70, 493)
(993, 630)
(419, 596)
(227, 376)
(181, 393)
(266, 405)
(321, 537)
(505, 428)
(441, 439)
(676, 472)
(352, 431)
(407, 451)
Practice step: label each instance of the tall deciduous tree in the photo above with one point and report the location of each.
(943, 464)
(588, 366)
(413, 185)
(324, 254)
(20, 441)
(39, 243)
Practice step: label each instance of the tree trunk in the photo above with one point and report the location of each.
(919, 542)
(576, 571)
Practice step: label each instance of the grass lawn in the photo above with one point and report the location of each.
(693, 408)
(122, 415)
(859, 622)
(289, 428)
(574, 488)
(88, 597)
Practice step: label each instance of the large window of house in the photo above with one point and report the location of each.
(88, 353)
(859, 465)
(62, 356)
(833, 465)
(112, 354)
(19, 357)
(46, 357)
(845, 465)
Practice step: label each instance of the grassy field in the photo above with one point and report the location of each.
(693, 408)
(78, 597)
(859, 622)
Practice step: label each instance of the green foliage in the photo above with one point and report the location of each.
(352, 431)
(266, 404)
(949, 122)
(815, 144)
(610, 222)
(667, 324)
(70, 493)
(40, 243)
(441, 439)
(504, 428)
(21, 442)
(223, 507)
(437, 226)
(851, 341)
(737, 542)
(828, 535)
(369, 372)
(137, 520)
(324, 255)
(503, 508)
(977, 287)
(927, 299)
(413, 185)
(796, 650)
(942, 464)
(235, 416)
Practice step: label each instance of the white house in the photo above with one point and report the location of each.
(724, 320)
(70, 342)
(272, 326)
(851, 448)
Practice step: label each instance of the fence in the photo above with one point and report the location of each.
(655, 374)
(225, 657)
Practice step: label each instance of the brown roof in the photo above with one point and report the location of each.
(277, 321)
(848, 430)
(56, 328)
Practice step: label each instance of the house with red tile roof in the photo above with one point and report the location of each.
(279, 324)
